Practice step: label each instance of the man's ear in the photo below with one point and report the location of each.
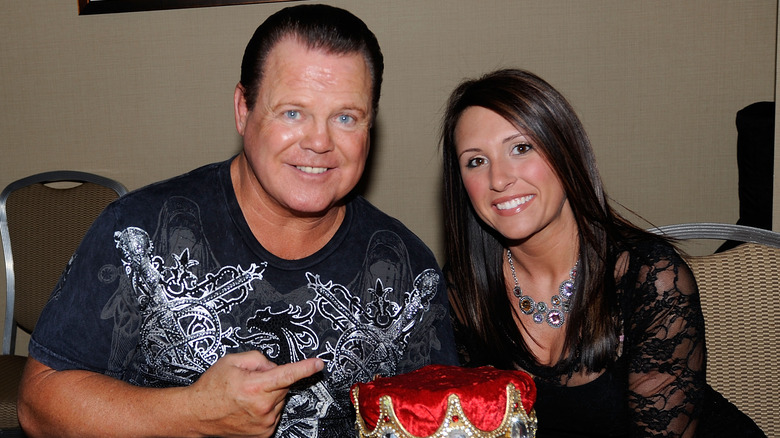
(240, 109)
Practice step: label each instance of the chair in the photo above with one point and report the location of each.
(45, 216)
(739, 289)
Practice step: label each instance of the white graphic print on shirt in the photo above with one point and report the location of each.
(182, 332)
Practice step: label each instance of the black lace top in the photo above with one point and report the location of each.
(663, 345)
(656, 383)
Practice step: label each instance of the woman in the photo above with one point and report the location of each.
(546, 277)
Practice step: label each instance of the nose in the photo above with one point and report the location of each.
(317, 138)
(501, 176)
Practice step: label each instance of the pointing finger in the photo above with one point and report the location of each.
(284, 376)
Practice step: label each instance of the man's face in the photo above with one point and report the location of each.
(307, 138)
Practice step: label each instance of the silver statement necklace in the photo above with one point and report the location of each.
(559, 306)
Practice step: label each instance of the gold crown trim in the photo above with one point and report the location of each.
(515, 424)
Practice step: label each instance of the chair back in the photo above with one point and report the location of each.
(738, 291)
(42, 220)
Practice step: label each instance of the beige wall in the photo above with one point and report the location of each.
(144, 96)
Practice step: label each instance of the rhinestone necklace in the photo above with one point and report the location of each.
(560, 303)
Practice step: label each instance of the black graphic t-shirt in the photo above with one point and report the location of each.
(170, 278)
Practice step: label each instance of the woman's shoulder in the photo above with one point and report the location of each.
(656, 272)
(653, 263)
(649, 250)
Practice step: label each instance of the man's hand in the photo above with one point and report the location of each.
(243, 394)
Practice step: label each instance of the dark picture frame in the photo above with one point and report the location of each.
(89, 7)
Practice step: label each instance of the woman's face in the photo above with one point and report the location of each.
(511, 186)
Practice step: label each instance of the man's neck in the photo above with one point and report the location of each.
(284, 233)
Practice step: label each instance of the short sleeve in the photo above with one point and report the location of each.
(73, 331)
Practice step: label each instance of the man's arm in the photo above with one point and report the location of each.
(241, 395)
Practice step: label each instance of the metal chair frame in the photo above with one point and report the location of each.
(9, 332)
(716, 231)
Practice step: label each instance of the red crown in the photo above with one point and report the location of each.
(446, 402)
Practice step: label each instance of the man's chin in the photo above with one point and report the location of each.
(313, 210)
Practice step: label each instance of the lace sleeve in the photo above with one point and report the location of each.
(665, 347)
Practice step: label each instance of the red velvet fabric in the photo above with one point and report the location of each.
(420, 397)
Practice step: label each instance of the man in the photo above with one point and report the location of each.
(246, 297)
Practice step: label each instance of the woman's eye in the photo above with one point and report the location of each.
(292, 114)
(475, 162)
(522, 148)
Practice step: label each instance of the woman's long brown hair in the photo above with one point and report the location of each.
(475, 252)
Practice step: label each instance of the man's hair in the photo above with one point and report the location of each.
(319, 27)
